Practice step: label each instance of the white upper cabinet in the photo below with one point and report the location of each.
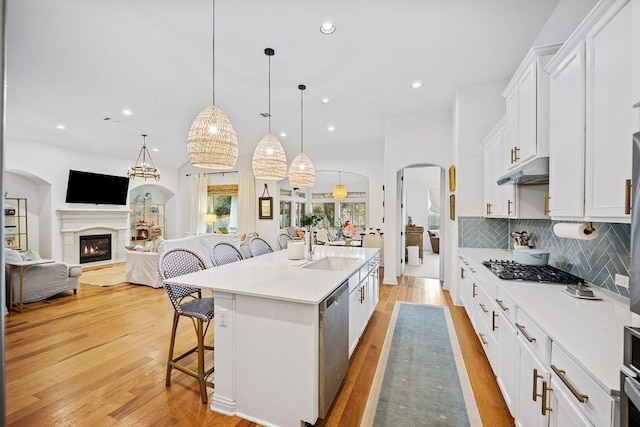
(591, 118)
(609, 114)
(566, 136)
(527, 99)
(500, 201)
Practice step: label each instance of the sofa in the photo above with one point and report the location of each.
(43, 280)
(201, 244)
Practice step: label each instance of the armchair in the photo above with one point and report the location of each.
(435, 242)
(41, 281)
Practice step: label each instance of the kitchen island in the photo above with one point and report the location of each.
(267, 331)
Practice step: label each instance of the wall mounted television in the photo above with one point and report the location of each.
(95, 188)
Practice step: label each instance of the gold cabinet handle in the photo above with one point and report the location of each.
(474, 294)
(509, 204)
(484, 309)
(524, 333)
(545, 206)
(493, 321)
(482, 339)
(461, 273)
(627, 197)
(543, 404)
(516, 151)
(489, 206)
(563, 377)
(535, 394)
(511, 157)
(499, 301)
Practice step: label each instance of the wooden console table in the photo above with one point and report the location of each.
(413, 237)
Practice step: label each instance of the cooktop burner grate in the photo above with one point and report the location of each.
(511, 270)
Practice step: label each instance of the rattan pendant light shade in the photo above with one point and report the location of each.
(269, 160)
(212, 143)
(302, 174)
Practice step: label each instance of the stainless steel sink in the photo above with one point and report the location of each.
(331, 263)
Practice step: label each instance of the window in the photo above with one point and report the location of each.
(285, 214)
(327, 211)
(222, 200)
(354, 212)
(300, 212)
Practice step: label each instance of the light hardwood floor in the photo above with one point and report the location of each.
(98, 358)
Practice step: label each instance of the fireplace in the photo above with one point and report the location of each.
(94, 248)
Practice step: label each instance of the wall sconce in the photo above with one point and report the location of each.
(210, 219)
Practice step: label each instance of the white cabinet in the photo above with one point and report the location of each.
(354, 325)
(500, 200)
(533, 389)
(609, 116)
(506, 374)
(527, 98)
(566, 134)
(563, 412)
(363, 299)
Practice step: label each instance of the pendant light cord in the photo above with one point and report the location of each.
(269, 93)
(302, 88)
(213, 56)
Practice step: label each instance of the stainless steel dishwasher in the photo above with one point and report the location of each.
(334, 345)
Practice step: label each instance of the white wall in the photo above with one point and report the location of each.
(410, 140)
(51, 165)
(564, 19)
(29, 188)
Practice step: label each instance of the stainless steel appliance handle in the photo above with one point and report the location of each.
(632, 391)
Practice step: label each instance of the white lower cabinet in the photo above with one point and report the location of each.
(363, 299)
(507, 360)
(533, 389)
(563, 412)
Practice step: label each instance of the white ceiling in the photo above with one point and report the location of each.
(76, 62)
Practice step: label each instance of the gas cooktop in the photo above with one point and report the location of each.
(511, 270)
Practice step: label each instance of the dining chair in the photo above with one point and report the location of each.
(283, 240)
(225, 253)
(259, 246)
(187, 302)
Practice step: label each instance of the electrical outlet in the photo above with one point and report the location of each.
(622, 280)
(221, 314)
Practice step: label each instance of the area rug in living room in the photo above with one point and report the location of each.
(108, 276)
(421, 377)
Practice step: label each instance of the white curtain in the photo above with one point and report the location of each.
(247, 211)
(197, 203)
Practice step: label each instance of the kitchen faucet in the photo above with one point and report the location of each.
(311, 249)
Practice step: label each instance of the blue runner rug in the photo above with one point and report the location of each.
(421, 385)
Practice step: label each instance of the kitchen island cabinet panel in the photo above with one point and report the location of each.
(609, 116)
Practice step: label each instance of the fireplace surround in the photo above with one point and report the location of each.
(75, 223)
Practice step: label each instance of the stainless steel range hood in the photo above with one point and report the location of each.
(535, 171)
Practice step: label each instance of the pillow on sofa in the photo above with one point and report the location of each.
(75, 270)
(29, 255)
(12, 256)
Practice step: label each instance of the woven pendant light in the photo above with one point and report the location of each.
(302, 174)
(339, 190)
(212, 143)
(269, 160)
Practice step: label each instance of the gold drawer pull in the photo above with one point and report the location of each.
(474, 294)
(627, 197)
(535, 385)
(543, 403)
(524, 333)
(509, 203)
(563, 377)
(516, 152)
(545, 205)
(484, 309)
(493, 321)
(502, 306)
(482, 339)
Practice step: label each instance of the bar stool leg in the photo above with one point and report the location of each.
(174, 328)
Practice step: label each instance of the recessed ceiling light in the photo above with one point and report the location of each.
(127, 112)
(61, 127)
(325, 100)
(283, 134)
(416, 85)
(331, 128)
(155, 149)
(327, 28)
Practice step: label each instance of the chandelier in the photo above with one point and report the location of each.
(339, 190)
(144, 167)
(212, 141)
(269, 160)
(302, 174)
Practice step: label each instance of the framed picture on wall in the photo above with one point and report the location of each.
(265, 208)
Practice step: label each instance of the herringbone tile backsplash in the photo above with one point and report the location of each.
(596, 261)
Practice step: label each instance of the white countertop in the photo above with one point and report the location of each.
(274, 276)
(590, 330)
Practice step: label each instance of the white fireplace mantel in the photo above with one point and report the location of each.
(74, 223)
